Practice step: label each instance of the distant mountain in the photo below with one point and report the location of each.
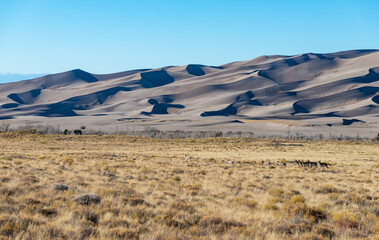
(308, 88)
(13, 77)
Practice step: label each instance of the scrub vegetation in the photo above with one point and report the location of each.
(135, 187)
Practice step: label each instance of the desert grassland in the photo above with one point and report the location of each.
(186, 189)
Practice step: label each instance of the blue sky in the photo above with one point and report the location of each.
(48, 36)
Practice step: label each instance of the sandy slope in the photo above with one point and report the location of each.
(269, 94)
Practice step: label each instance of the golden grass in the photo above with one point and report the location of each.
(185, 189)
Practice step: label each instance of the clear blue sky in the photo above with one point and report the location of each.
(48, 36)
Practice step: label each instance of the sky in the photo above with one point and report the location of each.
(48, 36)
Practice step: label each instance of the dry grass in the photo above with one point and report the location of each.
(185, 189)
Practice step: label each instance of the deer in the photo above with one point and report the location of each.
(323, 164)
(267, 163)
(282, 164)
(305, 163)
(311, 164)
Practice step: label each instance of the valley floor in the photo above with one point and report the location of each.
(212, 188)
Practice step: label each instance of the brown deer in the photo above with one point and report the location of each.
(323, 164)
(311, 164)
(282, 164)
(298, 163)
(305, 163)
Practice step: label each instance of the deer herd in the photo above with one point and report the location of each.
(311, 164)
(299, 163)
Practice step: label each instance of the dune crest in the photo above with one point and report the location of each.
(311, 87)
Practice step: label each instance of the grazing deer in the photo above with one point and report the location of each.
(311, 164)
(281, 164)
(323, 164)
(267, 163)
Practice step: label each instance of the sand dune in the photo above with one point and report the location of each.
(334, 89)
(25, 97)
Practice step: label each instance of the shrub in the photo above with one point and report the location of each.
(140, 214)
(8, 226)
(276, 200)
(86, 217)
(48, 212)
(326, 231)
(50, 231)
(376, 227)
(271, 206)
(179, 220)
(333, 196)
(355, 199)
(193, 186)
(181, 205)
(325, 189)
(301, 210)
(276, 192)
(246, 202)
(129, 191)
(293, 226)
(134, 200)
(298, 199)
(115, 223)
(216, 225)
(91, 216)
(5, 179)
(345, 219)
(87, 199)
(122, 233)
(68, 160)
(61, 187)
(86, 232)
(176, 178)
